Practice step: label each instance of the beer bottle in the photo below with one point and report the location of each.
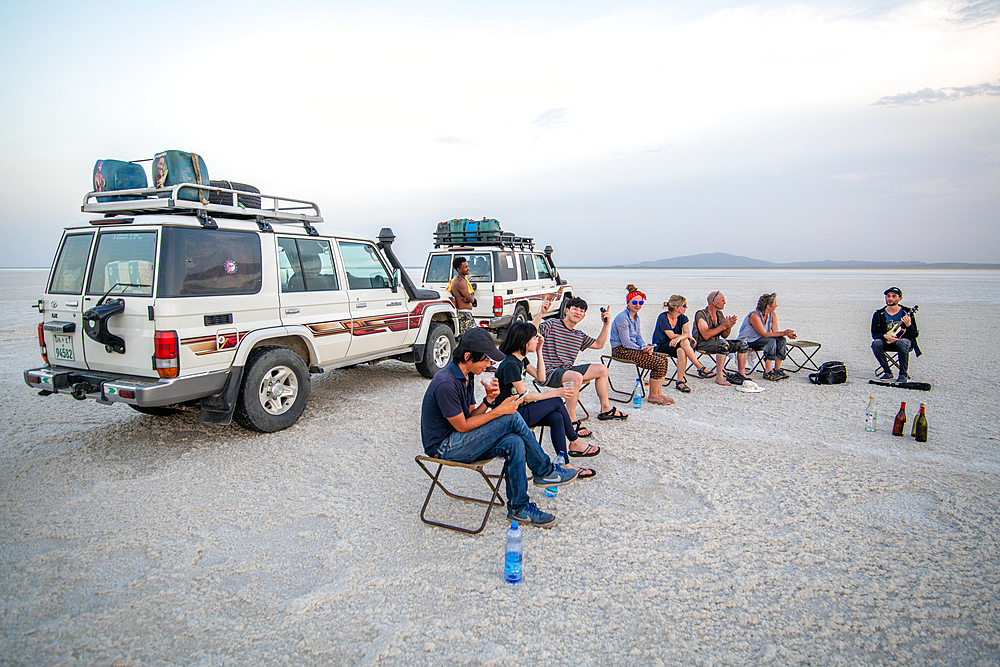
(921, 427)
(900, 423)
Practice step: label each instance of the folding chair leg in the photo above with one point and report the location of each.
(491, 503)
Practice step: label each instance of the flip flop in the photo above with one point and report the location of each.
(587, 453)
(580, 427)
(613, 413)
(586, 473)
(683, 388)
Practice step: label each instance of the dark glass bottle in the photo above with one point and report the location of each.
(900, 423)
(921, 427)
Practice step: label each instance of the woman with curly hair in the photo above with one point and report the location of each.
(627, 344)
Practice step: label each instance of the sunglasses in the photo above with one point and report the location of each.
(637, 302)
(684, 305)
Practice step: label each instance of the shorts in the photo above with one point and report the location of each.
(721, 346)
(555, 380)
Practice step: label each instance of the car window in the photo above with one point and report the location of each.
(364, 267)
(506, 267)
(123, 263)
(306, 265)
(479, 267)
(438, 269)
(67, 277)
(208, 262)
(527, 267)
(544, 273)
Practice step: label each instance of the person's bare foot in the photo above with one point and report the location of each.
(660, 400)
(723, 382)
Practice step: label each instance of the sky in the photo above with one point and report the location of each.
(615, 131)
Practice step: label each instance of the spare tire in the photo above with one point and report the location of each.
(226, 199)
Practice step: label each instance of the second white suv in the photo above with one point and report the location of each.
(511, 278)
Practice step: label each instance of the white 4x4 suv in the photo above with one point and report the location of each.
(163, 303)
(510, 277)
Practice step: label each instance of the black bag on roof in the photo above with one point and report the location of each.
(830, 372)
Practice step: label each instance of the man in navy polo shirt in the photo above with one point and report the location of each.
(453, 427)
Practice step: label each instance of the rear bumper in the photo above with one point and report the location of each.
(110, 388)
(495, 322)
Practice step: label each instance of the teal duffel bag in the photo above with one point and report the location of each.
(118, 175)
(171, 168)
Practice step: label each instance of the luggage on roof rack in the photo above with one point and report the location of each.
(485, 232)
(175, 167)
(117, 175)
(226, 198)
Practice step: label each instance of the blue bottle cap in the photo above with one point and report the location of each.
(513, 525)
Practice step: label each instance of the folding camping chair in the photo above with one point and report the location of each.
(801, 347)
(477, 466)
(892, 356)
(641, 375)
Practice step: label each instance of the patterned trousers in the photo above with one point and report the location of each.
(657, 363)
(465, 321)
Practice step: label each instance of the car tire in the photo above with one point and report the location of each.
(520, 315)
(437, 351)
(154, 411)
(275, 390)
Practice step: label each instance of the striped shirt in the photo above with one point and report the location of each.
(561, 345)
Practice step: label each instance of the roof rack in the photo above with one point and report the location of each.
(140, 201)
(483, 238)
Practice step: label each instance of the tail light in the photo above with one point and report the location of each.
(497, 306)
(41, 343)
(166, 360)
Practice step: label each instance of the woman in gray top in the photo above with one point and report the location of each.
(760, 331)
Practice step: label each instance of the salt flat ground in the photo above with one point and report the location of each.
(726, 529)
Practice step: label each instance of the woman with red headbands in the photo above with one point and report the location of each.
(627, 343)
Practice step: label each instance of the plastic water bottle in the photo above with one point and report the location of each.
(871, 414)
(553, 491)
(637, 397)
(512, 555)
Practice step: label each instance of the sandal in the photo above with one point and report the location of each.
(704, 374)
(580, 428)
(591, 450)
(613, 413)
(683, 388)
(586, 473)
(773, 376)
(662, 400)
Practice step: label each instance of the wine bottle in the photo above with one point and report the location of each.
(900, 423)
(921, 427)
(871, 415)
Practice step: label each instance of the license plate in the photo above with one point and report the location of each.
(62, 348)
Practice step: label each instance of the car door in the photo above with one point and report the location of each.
(122, 269)
(379, 319)
(313, 296)
(529, 279)
(62, 328)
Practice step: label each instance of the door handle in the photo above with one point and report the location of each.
(291, 311)
(361, 305)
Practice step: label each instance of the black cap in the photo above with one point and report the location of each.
(480, 340)
(894, 289)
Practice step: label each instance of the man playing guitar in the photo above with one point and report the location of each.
(894, 328)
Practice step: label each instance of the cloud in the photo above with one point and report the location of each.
(551, 119)
(978, 13)
(451, 140)
(933, 96)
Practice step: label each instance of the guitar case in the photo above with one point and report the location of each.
(921, 386)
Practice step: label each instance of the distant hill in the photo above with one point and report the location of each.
(721, 260)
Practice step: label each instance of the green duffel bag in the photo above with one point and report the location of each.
(172, 168)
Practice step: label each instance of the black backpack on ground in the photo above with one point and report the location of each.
(831, 372)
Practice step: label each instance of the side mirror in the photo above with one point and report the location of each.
(395, 279)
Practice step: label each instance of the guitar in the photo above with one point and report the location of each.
(897, 329)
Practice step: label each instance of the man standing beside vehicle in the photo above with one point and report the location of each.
(461, 291)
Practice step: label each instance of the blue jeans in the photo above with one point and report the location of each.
(902, 346)
(507, 436)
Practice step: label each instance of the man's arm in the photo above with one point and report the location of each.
(878, 329)
(480, 416)
(546, 304)
(460, 289)
(602, 339)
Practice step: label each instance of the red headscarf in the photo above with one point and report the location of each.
(635, 293)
